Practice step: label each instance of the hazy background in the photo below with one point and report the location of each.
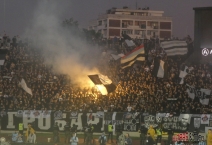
(63, 49)
(19, 13)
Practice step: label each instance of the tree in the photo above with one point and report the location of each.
(71, 25)
(90, 34)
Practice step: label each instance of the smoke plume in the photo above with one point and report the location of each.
(67, 53)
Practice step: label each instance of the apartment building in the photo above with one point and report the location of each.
(140, 23)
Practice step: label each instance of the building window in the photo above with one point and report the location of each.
(152, 33)
(141, 24)
(100, 23)
(114, 23)
(114, 32)
(152, 25)
(165, 34)
(126, 23)
(127, 31)
(140, 32)
(165, 25)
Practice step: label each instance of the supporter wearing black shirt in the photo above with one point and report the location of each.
(119, 130)
(149, 140)
(56, 132)
(143, 131)
(170, 134)
(67, 132)
(73, 129)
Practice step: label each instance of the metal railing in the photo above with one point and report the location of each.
(105, 16)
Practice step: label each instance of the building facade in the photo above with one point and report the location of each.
(139, 23)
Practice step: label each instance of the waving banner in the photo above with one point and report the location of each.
(202, 94)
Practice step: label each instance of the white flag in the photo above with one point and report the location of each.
(183, 75)
(25, 87)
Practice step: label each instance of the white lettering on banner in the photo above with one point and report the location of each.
(61, 124)
(129, 127)
(10, 119)
(95, 121)
(77, 122)
(170, 119)
(47, 122)
(26, 121)
(150, 120)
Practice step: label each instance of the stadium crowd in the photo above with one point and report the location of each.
(137, 90)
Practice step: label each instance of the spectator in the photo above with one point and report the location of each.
(110, 132)
(56, 133)
(29, 131)
(128, 140)
(15, 136)
(170, 135)
(74, 139)
(32, 138)
(20, 138)
(209, 137)
(151, 131)
(67, 131)
(150, 140)
(102, 139)
(21, 128)
(159, 134)
(119, 130)
(143, 132)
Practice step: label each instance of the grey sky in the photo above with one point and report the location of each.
(18, 13)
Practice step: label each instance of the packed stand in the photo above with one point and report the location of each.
(137, 90)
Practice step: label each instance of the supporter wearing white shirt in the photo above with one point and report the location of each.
(208, 75)
(129, 108)
(31, 138)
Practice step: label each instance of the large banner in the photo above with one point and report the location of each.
(44, 120)
(202, 94)
(178, 123)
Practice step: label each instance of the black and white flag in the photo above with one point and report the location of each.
(128, 40)
(103, 83)
(129, 43)
(202, 94)
(160, 68)
(174, 47)
(183, 74)
(137, 54)
(117, 57)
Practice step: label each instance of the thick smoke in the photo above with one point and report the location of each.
(67, 53)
